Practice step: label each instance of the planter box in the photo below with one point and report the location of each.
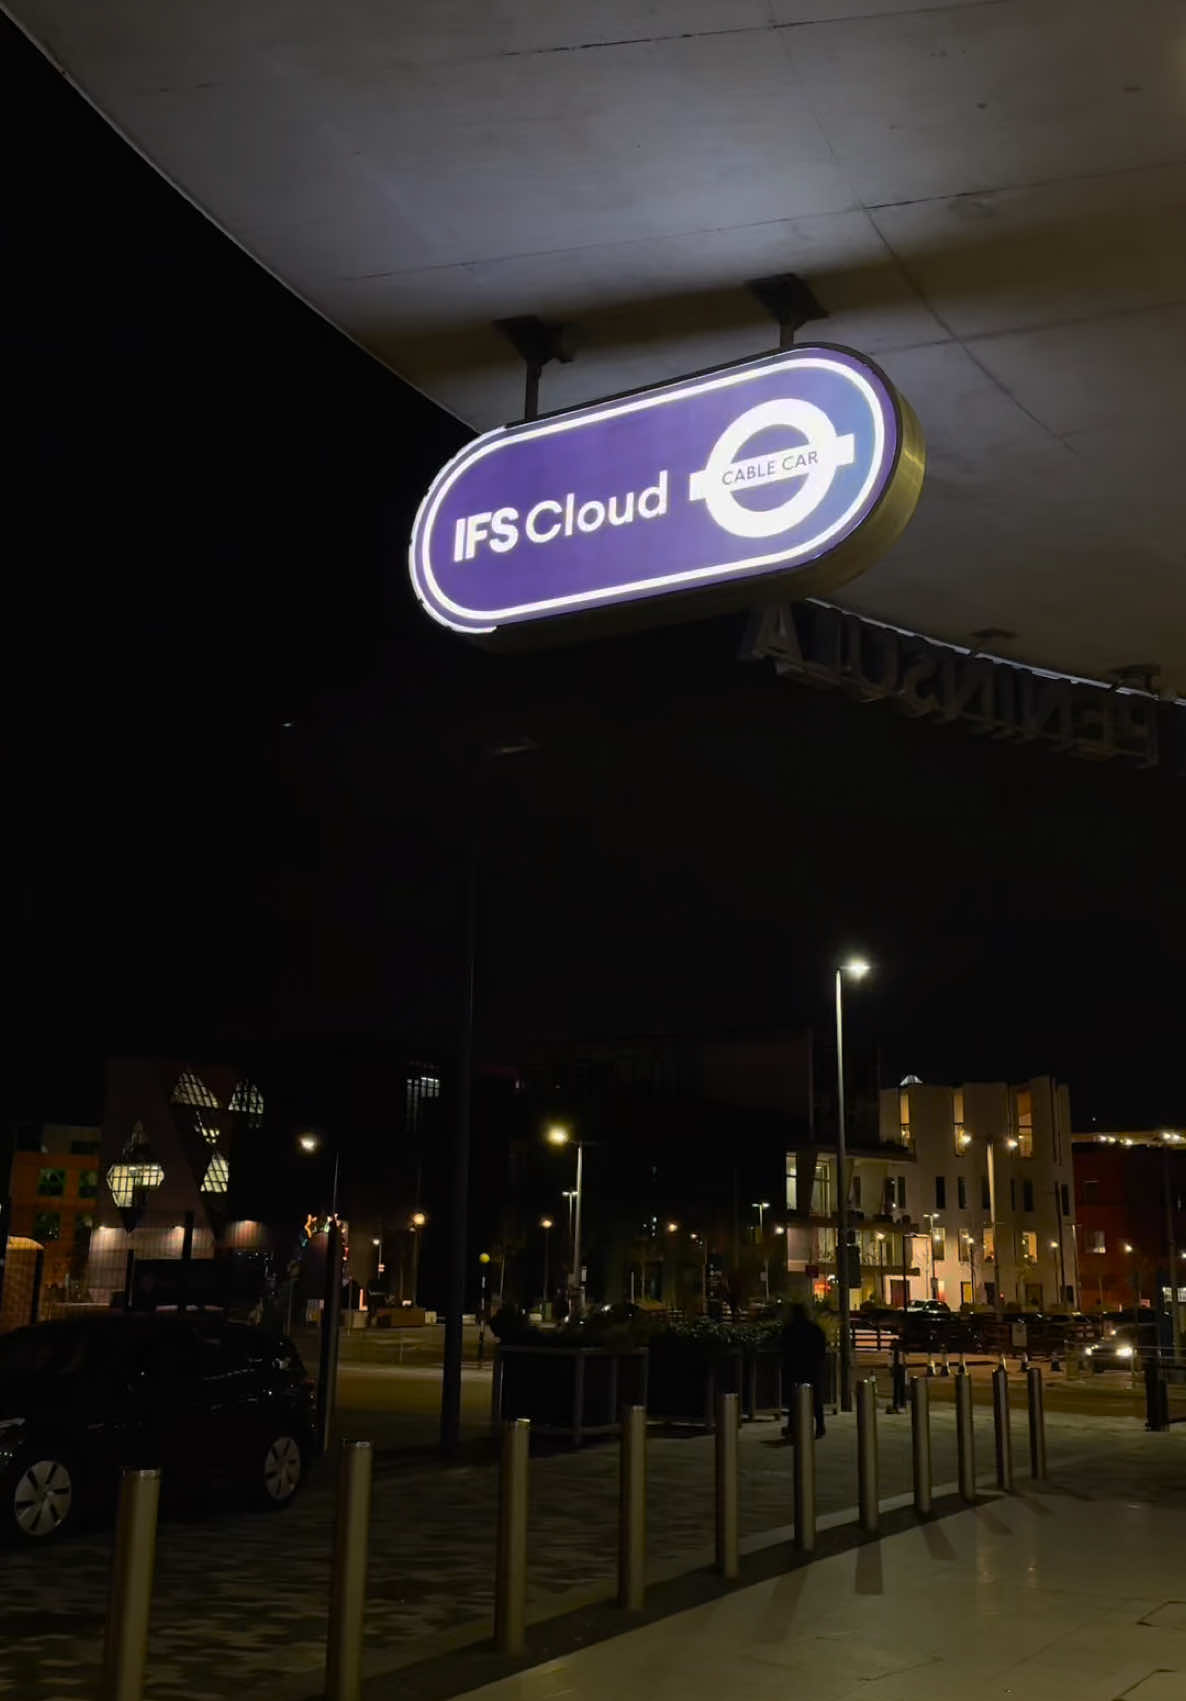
(568, 1391)
(684, 1384)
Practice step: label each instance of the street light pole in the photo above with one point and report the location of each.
(558, 1135)
(761, 1206)
(1172, 1256)
(576, 1233)
(546, 1224)
(856, 968)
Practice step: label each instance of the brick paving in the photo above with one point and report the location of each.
(240, 1600)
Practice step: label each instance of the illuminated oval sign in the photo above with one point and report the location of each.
(787, 474)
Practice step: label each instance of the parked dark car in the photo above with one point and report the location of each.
(206, 1400)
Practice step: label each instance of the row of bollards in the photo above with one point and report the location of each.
(125, 1646)
(126, 1643)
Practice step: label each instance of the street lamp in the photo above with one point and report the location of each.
(857, 968)
(418, 1221)
(546, 1224)
(761, 1206)
(931, 1217)
(560, 1136)
(310, 1142)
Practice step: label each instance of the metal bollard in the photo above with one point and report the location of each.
(1037, 1423)
(632, 1503)
(920, 1435)
(867, 1491)
(1003, 1435)
(803, 1424)
(125, 1649)
(728, 1515)
(510, 1572)
(965, 1437)
(348, 1589)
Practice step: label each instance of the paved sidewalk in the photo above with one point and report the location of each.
(241, 1600)
(1044, 1597)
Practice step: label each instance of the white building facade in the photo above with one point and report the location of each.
(967, 1196)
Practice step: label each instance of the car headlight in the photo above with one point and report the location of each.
(1123, 1352)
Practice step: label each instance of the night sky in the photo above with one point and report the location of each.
(243, 760)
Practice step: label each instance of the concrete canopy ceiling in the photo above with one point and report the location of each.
(988, 196)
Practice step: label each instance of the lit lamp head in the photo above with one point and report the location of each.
(558, 1136)
(672, 1228)
(545, 1222)
(483, 1258)
(308, 1142)
(857, 967)
(418, 1219)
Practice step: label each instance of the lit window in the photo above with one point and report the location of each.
(990, 1245)
(51, 1183)
(126, 1180)
(207, 1127)
(1096, 1240)
(217, 1174)
(1029, 1246)
(190, 1090)
(248, 1097)
(962, 1138)
(1025, 1122)
(135, 1173)
(939, 1242)
(904, 1117)
(47, 1225)
(419, 1089)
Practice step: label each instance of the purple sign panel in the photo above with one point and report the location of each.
(787, 474)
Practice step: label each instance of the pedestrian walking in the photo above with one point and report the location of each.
(804, 1358)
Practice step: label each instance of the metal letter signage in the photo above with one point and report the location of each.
(787, 475)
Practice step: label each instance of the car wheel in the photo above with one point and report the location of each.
(282, 1469)
(40, 1494)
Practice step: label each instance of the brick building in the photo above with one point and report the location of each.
(1130, 1201)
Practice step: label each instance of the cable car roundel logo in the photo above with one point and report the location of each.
(787, 475)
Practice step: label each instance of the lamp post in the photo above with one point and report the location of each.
(761, 1206)
(881, 1266)
(857, 968)
(560, 1136)
(932, 1219)
(546, 1224)
(311, 1142)
(418, 1222)
(1136, 1276)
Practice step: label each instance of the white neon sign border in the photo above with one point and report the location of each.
(493, 440)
